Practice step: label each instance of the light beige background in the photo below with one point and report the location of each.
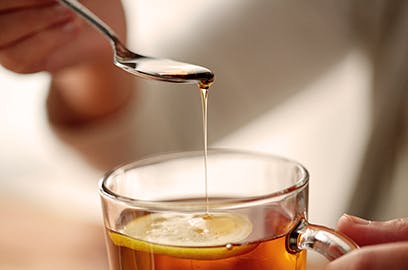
(291, 79)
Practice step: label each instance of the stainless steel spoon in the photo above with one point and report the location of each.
(144, 66)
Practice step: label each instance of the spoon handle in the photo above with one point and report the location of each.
(91, 18)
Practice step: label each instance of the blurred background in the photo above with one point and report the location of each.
(302, 80)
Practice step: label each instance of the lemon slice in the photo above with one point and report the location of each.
(191, 236)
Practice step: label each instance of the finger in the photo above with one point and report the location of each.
(379, 257)
(6, 5)
(25, 22)
(30, 55)
(365, 232)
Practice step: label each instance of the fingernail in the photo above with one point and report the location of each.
(70, 26)
(357, 220)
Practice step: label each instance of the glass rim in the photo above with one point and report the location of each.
(230, 203)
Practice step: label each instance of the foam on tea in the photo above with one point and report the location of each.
(185, 235)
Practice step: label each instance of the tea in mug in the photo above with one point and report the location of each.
(205, 241)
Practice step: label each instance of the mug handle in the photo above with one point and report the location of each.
(325, 241)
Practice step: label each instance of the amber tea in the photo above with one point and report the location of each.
(220, 241)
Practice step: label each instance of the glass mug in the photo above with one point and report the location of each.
(157, 215)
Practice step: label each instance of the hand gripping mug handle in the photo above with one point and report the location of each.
(325, 241)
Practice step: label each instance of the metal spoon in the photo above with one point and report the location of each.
(143, 66)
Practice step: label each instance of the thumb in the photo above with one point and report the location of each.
(379, 257)
(365, 232)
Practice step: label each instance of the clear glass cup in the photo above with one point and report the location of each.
(269, 191)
